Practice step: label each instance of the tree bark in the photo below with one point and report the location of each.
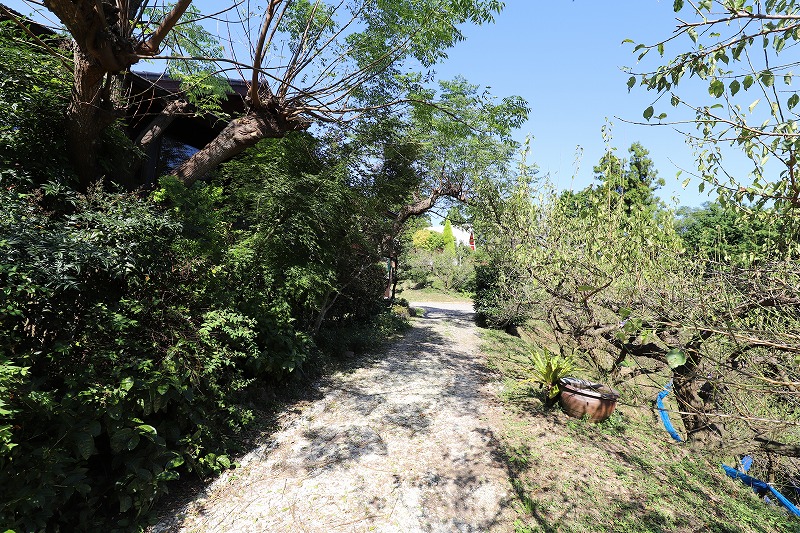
(103, 46)
(89, 112)
(156, 128)
(687, 386)
(419, 207)
(239, 134)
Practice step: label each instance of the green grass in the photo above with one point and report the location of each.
(623, 475)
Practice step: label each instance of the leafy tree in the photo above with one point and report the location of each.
(732, 235)
(460, 143)
(430, 240)
(742, 51)
(457, 215)
(310, 62)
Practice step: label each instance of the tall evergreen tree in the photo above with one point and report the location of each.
(634, 179)
(449, 240)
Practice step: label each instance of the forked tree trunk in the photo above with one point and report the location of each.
(694, 408)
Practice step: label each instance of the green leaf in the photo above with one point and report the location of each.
(692, 34)
(677, 5)
(661, 48)
(787, 79)
(767, 78)
(648, 113)
(120, 439)
(674, 100)
(175, 462)
(84, 444)
(126, 384)
(793, 100)
(748, 81)
(584, 288)
(631, 82)
(675, 358)
(147, 429)
(125, 503)
(716, 88)
(734, 87)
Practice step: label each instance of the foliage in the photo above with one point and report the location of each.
(741, 52)
(427, 263)
(505, 294)
(103, 414)
(731, 235)
(32, 147)
(309, 61)
(634, 180)
(133, 334)
(449, 242)
(620, 286)
(196, 52)
(429, 240)
(547, 369)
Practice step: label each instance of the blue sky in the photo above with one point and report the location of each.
(564, 58)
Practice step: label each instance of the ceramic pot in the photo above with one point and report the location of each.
(579, 398)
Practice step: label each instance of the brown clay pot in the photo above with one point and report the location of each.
(597, 401)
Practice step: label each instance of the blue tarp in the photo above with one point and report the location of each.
(759, 487)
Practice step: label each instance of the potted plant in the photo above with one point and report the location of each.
(580, 398)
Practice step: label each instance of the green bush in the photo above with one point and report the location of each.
(133, 331)
(112, 384)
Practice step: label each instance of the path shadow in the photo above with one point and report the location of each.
(421, 350)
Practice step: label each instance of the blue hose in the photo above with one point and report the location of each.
(662, 412)
(759, 487)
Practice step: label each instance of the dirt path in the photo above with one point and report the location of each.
(403, 443)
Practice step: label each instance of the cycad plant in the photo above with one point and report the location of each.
(547, 368)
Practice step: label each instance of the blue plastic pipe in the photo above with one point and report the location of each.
(759, 487)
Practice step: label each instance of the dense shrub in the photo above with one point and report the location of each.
(34, 89)
(135, 329)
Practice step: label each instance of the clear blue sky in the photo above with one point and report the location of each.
(564, 58)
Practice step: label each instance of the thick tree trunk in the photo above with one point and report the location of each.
(160, 123)
(238, 135)
(103, 46)
(89, 112)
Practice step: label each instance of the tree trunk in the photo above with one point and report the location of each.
(89, 112)
(238, 135)
(688, 387)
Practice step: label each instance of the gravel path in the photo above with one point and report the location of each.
(403, 443)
